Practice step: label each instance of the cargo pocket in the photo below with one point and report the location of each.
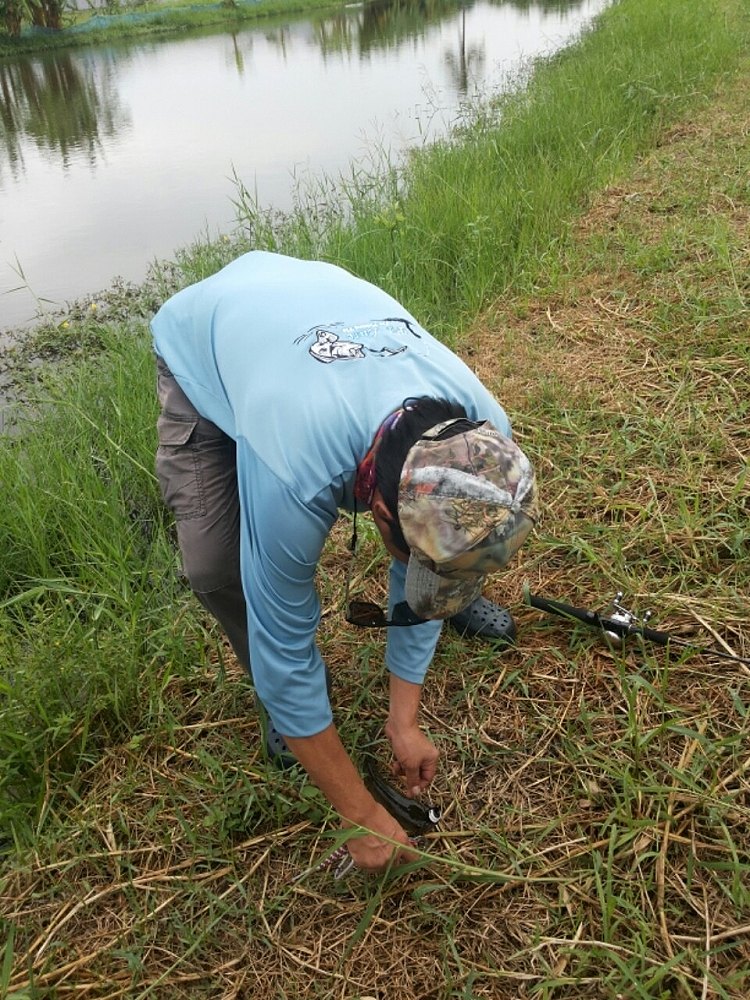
(178, 466)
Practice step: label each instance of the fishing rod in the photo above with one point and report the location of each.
(619, 622)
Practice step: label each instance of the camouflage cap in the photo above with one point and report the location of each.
(466, 503)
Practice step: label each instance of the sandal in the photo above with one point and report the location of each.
(277, 751)
(485, 620)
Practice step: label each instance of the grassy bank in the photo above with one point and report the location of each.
(584, 245)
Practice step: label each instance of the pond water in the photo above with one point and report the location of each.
(115, 156)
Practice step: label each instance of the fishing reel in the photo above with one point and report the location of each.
(619, 622)
(615, 624)
(628, 620)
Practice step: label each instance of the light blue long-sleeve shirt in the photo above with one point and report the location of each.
(300, 362)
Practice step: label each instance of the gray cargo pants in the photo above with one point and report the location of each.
(197, 470)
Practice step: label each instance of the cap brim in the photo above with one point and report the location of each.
(433, 596)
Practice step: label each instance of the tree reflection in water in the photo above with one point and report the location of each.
(465, 62)
(382, 24)
(64, 104)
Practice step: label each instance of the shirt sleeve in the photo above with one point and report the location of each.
(409, 650)
(281, 539)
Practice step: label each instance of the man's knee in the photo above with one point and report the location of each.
(210, 559)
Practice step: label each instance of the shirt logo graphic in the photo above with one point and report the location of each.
(329, 346)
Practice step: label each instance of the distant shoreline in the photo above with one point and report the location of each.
(150, 19)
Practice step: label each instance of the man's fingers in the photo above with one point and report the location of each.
(373, 854)
(406, 857)
(413, 780)
(416, 778)
(415, 785)
(399, 856)
(429, 770)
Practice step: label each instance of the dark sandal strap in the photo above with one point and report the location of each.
(279, 753)
(276, 748)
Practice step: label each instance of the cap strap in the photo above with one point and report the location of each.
(438, 431)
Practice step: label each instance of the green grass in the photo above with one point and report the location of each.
(594, 843)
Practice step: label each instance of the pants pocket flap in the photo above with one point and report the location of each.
(175, 430)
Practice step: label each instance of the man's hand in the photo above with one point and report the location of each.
(331, 769)
(416, 757)
(372, 854)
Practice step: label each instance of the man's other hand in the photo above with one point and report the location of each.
(373, 854)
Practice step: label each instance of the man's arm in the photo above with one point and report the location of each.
(416, 757)
(330, 768)
(326, 761)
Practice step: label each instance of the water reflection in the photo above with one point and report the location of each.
(114, 156)
(382, 24)
(465, 64)
(65, 102)
(62, 104)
